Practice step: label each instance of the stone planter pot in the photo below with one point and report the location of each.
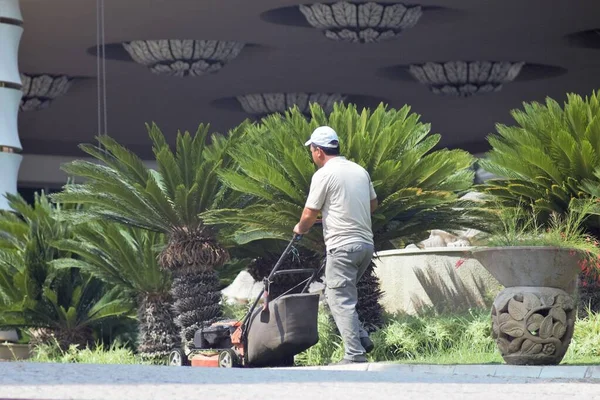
(9, 336)
(533, 318)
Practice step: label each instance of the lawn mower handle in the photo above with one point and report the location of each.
(285, 253)
(287, 250)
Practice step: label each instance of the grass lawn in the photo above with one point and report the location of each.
(444, 340)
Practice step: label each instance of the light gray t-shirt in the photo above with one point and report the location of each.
(343, 191)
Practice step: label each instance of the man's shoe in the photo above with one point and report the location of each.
(348, 362)
(367, 343)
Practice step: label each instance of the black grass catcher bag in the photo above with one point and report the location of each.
(287, 327)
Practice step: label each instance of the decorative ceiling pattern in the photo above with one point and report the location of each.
(258, 105)
(40, 90)
(469, 78)
(183, 57)
(361, 22)
(487, 57)
(465, 78)
(262, 104)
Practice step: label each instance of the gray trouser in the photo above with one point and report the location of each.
(345, 265)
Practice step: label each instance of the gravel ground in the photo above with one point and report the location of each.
(84, 381)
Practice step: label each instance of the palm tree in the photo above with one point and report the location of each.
(62, 305)
(126, 258)
(123, 189)
(417, 187)
(551, 155)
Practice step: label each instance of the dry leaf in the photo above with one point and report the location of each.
(534, 322)
(512, 328)
(530, 347)
(504, 317)
(559, 330)
(558, 314)
(566, 302)
(517, 310)
(547, 300)
(531, 301)
(546, 328)
(515, 345)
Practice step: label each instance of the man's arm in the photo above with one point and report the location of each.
(374, 204)
(307, 220)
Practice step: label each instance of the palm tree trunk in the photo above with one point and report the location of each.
(370, 311)
(63, 338)
(197, 300)
(157, 332)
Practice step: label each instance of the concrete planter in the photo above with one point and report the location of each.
(443, 278)
(533, 318)
(12, 351)
(9, 336)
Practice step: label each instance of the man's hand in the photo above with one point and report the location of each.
(297, 230)
(374, 204)
(309, 216)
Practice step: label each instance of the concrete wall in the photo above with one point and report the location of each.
(43, 169)
(416, 280)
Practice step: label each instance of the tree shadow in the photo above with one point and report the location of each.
(448, 292)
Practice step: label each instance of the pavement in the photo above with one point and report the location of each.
(28, 380)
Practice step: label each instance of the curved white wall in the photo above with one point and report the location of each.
(9, 111)
(9, 168)
(10, 9)
(11, 30)
(10, 37)
(43, 169)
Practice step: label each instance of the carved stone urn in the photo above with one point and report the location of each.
(534, 316)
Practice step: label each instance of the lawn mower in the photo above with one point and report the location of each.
(268, 336)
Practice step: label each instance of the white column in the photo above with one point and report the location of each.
(11, 29)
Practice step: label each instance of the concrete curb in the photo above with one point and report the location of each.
(487, 370)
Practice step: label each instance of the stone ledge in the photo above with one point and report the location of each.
(488, 370)
(14, 351)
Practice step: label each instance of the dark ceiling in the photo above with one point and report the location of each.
(60, 38)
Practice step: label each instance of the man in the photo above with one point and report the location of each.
(342, 191)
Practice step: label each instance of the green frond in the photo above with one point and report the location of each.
(123, 257)
(274, 168)
(122, 159)
(123, 189)
(36, 290)
(552, 151)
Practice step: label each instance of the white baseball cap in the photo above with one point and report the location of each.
(324, 136)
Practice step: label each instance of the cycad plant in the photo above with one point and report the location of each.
(417, 188)
(123, 189)
(127, 258)
(551, 155)
(63, 306)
